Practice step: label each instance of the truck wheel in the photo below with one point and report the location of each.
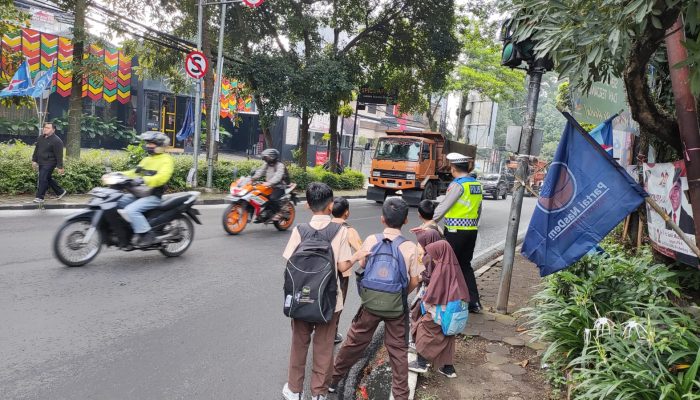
(430, 191)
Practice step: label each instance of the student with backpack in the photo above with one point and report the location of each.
(341, 213)
(391, 272)
(317, 253)
(444, 307)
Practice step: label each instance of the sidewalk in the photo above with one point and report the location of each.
(24, 201)
(495, 359)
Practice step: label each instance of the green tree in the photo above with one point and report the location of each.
(592, 41)
(480, 70)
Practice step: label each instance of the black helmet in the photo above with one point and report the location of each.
(270, 155)
(157, 138)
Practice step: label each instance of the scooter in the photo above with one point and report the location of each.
(81, 237)
(248, 200)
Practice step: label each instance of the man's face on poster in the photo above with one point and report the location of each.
(675, 195)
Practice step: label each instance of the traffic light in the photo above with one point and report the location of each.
(515, 53)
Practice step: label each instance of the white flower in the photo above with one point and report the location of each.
(602, 326)
(586, 336)
(633, 326)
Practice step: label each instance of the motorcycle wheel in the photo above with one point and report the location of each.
(290, 212)
(186, 231)
(235, 219)
(67, 246)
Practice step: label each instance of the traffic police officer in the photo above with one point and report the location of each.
(461, 209)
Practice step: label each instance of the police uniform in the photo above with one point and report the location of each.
(461, 210)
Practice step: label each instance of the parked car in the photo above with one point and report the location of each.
(494, 185)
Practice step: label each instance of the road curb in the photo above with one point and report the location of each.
(66, 206)
(349, 385)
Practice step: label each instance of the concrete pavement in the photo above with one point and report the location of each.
(140, 326)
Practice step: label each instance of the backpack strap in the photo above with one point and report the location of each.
(330, 231)
(305, 231)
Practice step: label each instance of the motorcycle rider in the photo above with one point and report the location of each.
(275, 177)
(153, 173)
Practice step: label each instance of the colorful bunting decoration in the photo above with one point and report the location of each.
(64, 71)
(43, 50)
(11, 43)
(124, 78)
(31, 48)
(109, 93)
(231, 99)
(49, 51)
(95, 83)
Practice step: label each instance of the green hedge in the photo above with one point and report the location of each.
(17, 176)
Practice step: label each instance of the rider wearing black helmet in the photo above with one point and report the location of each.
(153, 172)
(275, 177)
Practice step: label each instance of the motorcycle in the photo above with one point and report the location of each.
(248, 200)
(80, 238)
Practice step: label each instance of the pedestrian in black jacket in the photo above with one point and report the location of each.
(48, 155)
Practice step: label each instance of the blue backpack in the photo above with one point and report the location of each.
(453, 319)
(384, 283)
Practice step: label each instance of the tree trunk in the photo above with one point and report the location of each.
(302, 162)
(651, 120)
(75, 107)
(461, 115)
(333, 142)
(686, 111)
(208, 80)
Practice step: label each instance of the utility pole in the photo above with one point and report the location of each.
(686, 110)
(214, 118)
(535, 73)
(197, 99)
(354, 131)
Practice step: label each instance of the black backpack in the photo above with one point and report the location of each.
(311, 279)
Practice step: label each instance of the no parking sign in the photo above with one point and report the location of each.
(196, 64)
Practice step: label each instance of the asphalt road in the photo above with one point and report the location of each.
(207, 325)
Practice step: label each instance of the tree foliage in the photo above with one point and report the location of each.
(592, 41)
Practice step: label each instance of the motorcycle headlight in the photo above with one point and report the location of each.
(376, 174)
(410, 176)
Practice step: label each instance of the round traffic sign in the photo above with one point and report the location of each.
(253, 3)
(196, 64)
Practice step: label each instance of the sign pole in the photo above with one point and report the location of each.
(197, 100)
(214, 119)
(354, 131)
(535, 73)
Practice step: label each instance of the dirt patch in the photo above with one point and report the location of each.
(520, 378)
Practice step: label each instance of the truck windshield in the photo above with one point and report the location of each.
(398, 149)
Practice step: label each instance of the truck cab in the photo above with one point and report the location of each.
(409, 164)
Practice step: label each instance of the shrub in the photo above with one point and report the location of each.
(83, 174)
(615, 331)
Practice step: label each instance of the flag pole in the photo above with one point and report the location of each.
(653, 204)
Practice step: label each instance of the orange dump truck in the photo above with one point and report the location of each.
(412, 165)
(537, 170)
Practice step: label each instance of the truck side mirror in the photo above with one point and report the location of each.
(367, 146)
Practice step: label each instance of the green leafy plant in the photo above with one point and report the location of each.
(614, 330)
(19, 128)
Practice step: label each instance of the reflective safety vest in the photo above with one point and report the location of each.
(464, 214)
